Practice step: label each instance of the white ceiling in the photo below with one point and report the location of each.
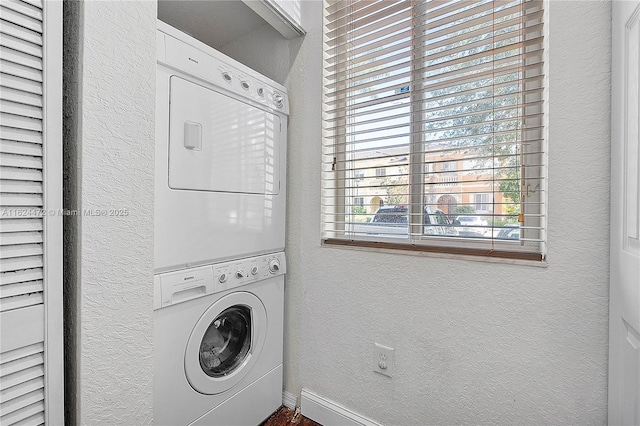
(213, 22)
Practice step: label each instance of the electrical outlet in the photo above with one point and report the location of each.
(383, 361)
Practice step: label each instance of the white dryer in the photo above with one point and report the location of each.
(218, 343)
(221, 135)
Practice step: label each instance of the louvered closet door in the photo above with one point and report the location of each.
(30, 223)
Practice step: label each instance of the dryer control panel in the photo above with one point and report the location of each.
(180, 286)
(216, 68)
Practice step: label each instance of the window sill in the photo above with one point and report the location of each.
(434, 252)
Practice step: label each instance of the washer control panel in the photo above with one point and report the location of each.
(244, 271)
(180, 286)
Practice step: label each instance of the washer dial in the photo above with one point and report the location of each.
(274, 266)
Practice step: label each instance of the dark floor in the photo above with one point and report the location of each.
(285, 416)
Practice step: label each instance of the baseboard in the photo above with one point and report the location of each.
(289, 400)
(328, 413)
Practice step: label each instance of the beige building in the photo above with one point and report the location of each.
(379, 177)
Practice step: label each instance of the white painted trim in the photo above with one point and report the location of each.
(329, 413)
(289, 400)
(277, 17)
(52, 233)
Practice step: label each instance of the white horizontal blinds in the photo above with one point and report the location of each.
(478, 96)
(437, 110)
(367, 106)
(21, 226)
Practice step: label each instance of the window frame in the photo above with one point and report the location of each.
(432, 243)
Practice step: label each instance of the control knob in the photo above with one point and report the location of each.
(278, 99)
(274, 266)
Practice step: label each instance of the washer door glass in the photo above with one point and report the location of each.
(226, 342)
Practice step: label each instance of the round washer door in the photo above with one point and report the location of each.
(225, 343)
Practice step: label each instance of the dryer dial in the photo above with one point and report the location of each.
(278, 99)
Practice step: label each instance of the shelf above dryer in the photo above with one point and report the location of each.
(284, 16)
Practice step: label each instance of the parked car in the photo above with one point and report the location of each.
(511, 231)
(471, 226)
(394, 221)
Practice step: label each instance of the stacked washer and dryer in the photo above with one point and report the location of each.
(219, 237)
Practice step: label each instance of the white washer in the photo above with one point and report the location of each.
(218, 343)
(219, 234)
(221, 135)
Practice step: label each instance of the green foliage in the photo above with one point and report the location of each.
(359, 210)
(466, 209)
(510, 187)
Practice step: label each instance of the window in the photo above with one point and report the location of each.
(437, 98)
(483, 202)
(449, 166)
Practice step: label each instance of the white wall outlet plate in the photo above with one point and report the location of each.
(383, 361)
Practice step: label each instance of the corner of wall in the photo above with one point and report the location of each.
(71, 117)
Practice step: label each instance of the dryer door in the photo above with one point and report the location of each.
(225, 343)
(221, 144)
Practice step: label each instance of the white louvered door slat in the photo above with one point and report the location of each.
(34, 410)
(9, 291)
(21, 238)
(34, 3)
(22, 389)
(19, 187)
(21, 33)
(16, 173)
(30, 241)
(23, 401)
(21, 200)
(12, 68)
(24, 8)
(21, 263)
(20, 225)
(30, 162)
(17, 121)
(21, 135)
(20, 109)
(22, 364)
(9, 94)
(22, 84)
(16, 43)
(23, 59)
(17, 18)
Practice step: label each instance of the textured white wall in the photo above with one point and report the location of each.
(475, 342)
(110, 103)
